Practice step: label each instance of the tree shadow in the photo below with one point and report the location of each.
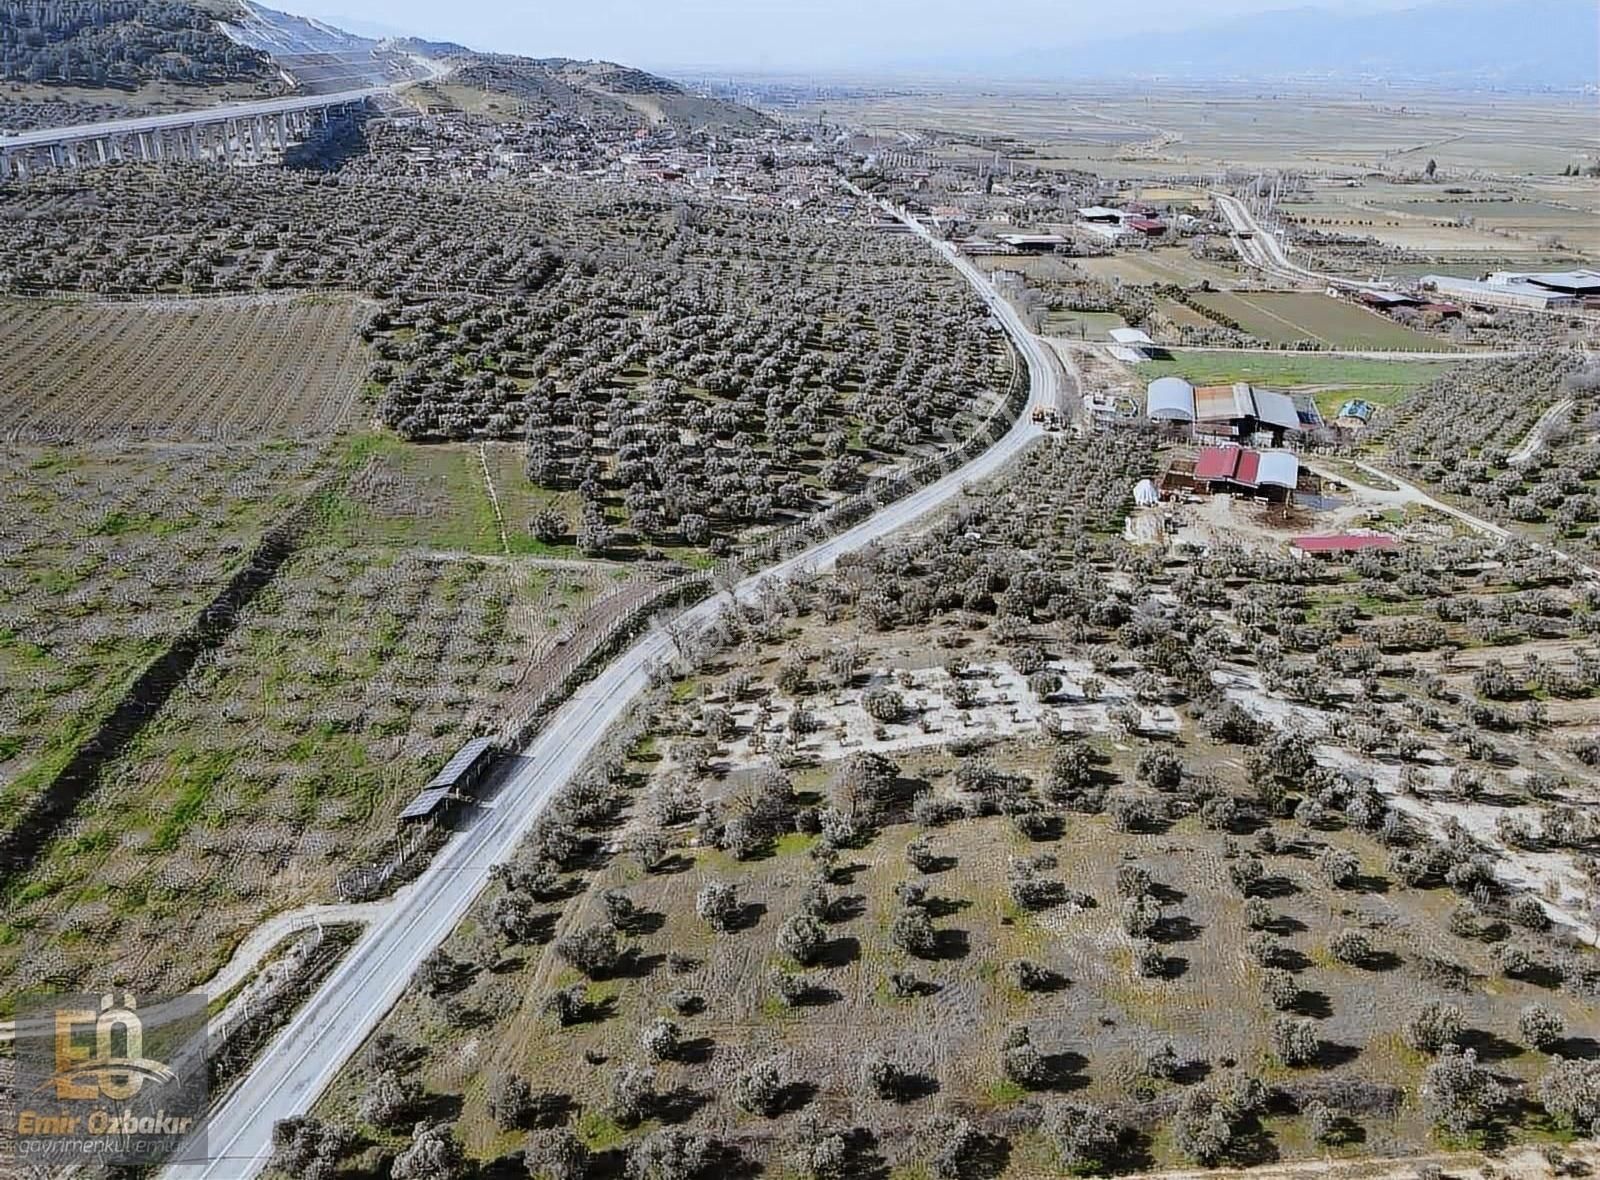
(1369, 884)
(748, 917)
(679, 1105)
(847, 908)
(951, 944)
(1284, 925)
(1313, 1003)
(1134, 1153)
(796, 1096)
(439, 1108)
(1290, 959)
(943, 907)
(840, 952)
(1066, 1071)
(816, 996)
(937, 864)
(1167, 895)
(1192, 1072)
(1345, 1132)
(671, 865)
(1173, 967)
(698, 1051)
(913, 1087)
(1489, 1046)
(634, 965)
(847, 874)
(1176, 929)
(1332, 1054)
(646, 922)
(1580, 1048)
(1381, 961)
(1274, 886)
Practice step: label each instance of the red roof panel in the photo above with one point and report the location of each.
(1249, 468)
(1345, 543)
(1217, 463)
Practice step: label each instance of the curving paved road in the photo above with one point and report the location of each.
(1263, 250)
(305, 1057)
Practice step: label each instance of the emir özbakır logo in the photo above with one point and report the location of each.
(85, 1074)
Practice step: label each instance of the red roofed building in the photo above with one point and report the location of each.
(1271, 474)
(1150, 227)
(1217, 463)
(1342, 543)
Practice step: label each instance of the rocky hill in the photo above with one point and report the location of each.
(121, 45)
(600, 93)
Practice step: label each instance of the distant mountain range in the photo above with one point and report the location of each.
(1495, 42)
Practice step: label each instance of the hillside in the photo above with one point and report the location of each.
(599, 93)
(121, 45)
(320, 58)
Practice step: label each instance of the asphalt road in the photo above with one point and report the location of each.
(298, 1065)
(1262, 249)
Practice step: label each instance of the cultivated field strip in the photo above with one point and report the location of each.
(212, 372)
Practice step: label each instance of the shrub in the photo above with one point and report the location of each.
(1020, 1060)
(556, 1155)
(882, 1077)
(1279, 988)
(390, 1101)
(671, 1153)
(511, 1102)
(1085, 1138)
(1570, 1091)
(433, 1154)
(1458, 1094)
(1541, 1027)
(633, 1095)
(1133, 880)
(1339, 867)
(717, 903)
(1351, 946)
(1141, 915)
(801, 938)
(913, 932)
(593, 950)
(1294, 1042)
(1434, 1026)
(921, 856)
(661, 1039)
(884, 705)
(760, 1089)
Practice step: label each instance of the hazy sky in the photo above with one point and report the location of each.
(780, 34)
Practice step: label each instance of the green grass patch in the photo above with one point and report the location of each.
(1292, 369)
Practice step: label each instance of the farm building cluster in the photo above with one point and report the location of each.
(1238, 413)
(1550, 291)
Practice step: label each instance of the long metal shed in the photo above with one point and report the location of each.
(463, 768)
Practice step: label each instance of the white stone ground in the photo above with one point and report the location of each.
(1004, 706)
(1551, 877)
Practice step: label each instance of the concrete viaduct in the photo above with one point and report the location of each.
(243, 132)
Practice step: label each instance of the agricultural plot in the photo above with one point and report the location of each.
(682, 419)
(106, 554)
(1333, 913)
(210, 371)
(1461, 433)
(281, 760)
(1146, 267)
(1317, 319)
(1292, 369)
